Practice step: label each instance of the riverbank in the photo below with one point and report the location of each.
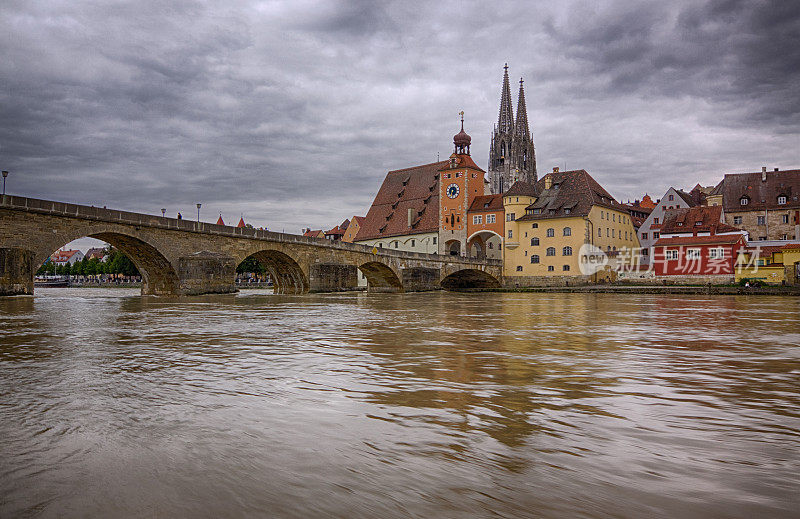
(656, 289)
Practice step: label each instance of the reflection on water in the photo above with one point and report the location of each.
(423, 405)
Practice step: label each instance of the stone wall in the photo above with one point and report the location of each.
(16, 271)
(718, 279)
(545, 281)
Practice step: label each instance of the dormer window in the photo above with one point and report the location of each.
(781, 200)
(744, 200)
(698, 223)
(680, 224)
(453, 162)
(537, 211)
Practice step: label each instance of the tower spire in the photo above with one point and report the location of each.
(505, 122)
(521, 126)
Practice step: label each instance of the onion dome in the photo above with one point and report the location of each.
(462, 140)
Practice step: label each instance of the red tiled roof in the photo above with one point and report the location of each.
(415, 188)
(359, 220)
(717, 239)
(314, 234)
(791, 246)
(685, 220)
(241, 222)
(761, 194)
(486, 203)
(219, 220)
(464, 161)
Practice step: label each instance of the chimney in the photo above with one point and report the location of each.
(410, 216)
(764, 174)
(776, 169)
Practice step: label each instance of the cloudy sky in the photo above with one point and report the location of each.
(291, 113)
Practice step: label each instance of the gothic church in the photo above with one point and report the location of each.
(512, 156)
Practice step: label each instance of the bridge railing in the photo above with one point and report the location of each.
(162, 222)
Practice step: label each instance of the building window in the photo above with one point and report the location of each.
(535, 258)
(655, 220)
(396, 244)
(551, 232)
(781, 200)
(614, 217)
(519, 268)
(602, 215)
(656, 235)
(671, 198)
(550, 268)
(567, 231)
(510, 233)
(645, 252)
(434, 240)
(762, 238)
(477, 219)
(644, 235)
(567, 251)
(491, 245)
(784, 218)
(413, 242)
(510, 217)
(692, 254)
(761, 220)
(672, 254)
(608, 232)
(534, 242)
(535, 226)
(737, 220)
(551, 251)
(567, 211)
(716, 253)
(744, 200)
(490, 218)
(565, 268)
(599, 232)
(612, 233)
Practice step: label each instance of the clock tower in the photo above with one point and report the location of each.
(460, 181)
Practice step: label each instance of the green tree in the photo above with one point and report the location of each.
(250, 264)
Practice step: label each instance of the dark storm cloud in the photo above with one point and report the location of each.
(292, 112)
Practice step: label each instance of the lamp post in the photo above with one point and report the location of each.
(198, 212)
(5, 174)
(163, 212)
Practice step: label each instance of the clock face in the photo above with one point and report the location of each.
(452, 190)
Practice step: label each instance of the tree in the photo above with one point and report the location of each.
(250, 264)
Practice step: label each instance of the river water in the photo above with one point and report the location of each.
(409, 405)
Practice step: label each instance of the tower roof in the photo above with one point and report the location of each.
(521, 126)
(241, 222)
(505, 122)
(219, 220)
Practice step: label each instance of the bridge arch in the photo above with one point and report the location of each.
(381, 277)
(469, 278)
(286, 274)
(158, 274)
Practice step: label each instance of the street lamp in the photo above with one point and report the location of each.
(5, 174)
(163, 212)
(198, 212)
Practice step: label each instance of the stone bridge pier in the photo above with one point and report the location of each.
(179, 257)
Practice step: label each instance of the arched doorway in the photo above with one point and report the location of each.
(485, 244)
(453, 247)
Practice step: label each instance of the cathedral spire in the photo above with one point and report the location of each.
(521, 126)
(505, 123)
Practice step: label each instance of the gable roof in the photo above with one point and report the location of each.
(762, 194)
(314, 234)
(241, 222)
(685, 221)
(415, 188)
(486, 203)
(575, 191)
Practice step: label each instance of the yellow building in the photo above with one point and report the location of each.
(771, 264)
(548, 223)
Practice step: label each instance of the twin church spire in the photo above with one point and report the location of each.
(512, 155)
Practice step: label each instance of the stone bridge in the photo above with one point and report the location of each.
(182, 257)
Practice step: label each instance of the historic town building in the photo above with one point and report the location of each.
(650, 230)
(424, 208)
(696, 245)
(548, 222)
(766, 204)
(512, 156)
(485, 227)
